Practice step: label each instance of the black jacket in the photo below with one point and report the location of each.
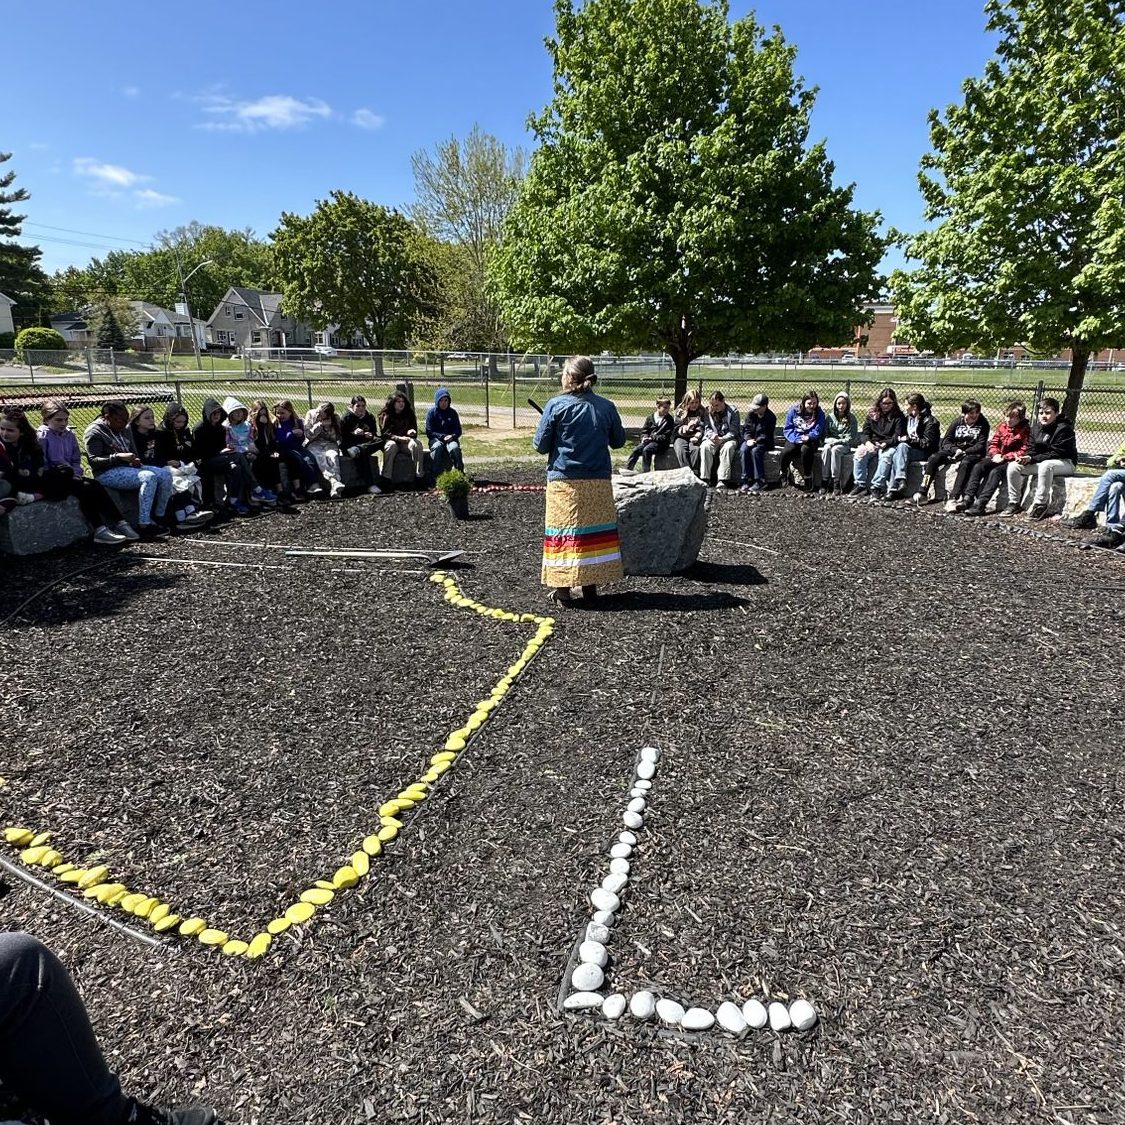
(659, 430)
(1054, 442)
(145, 445)
(210, 441)
(764, 426)
(884, 429)
(971, 440)
(927, 432)
(351, 422)
(173, 444)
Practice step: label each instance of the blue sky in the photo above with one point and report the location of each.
(138, 118)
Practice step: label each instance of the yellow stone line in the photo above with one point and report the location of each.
(35, 849)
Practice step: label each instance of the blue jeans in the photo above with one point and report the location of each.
(446, 454)
(861, 467)
(152, 485)
(753, 463)
(1107, 496)
(903, 456)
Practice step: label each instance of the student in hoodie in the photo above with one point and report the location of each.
(183, 510)
(115, 464)
(289, 432)
(361, 441)
(964, 444)
(64, 476)
(216, 458)
(322, 439)
(759, 431)
(399, 427)
(1009, 440)
(884, 425)
(1106, 498)
(804, 431)
(721, 433)
(443, 431)
(241, 440)
(1052, 453)
(919, 443)
(841, 436)
(657, 432)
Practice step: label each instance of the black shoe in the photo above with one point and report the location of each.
(1010, 510)
(560, 595)
(975, 509)
(1109, 541)
(1084, 521)
(142, 1114)
(859, 490)
(895, 493)
(589, 593)
(152, 531)
(1037, 512)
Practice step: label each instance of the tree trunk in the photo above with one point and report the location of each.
(681, 362)
(1079, 361)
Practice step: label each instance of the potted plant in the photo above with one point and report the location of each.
(455, 486)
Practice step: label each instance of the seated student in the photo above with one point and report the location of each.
(216, 458)
(266, 459)
(322, 440)
(657, 432)
(175, 448)
(63, 476)
(361, 441)
(1106, 498)
(804, 430)
(289, 430)
(720, 440)
(1009, 440)
(1052, 453)
(689, 430)
(841, 436)
(964, 444)
(919, 443)
(883, 426)
(758, 437)
(399, 427)
(115, 464)
(49, 1056)
(182, 510)
(443, 431)
(241, 443)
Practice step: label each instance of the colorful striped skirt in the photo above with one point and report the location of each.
(580, 543)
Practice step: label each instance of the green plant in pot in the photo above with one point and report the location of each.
(455, 487)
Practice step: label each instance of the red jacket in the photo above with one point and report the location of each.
(1010, 443)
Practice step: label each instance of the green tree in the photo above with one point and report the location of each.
(109, 331)
(358, 265)
(112, 320)
(673, 201)
(20, 275)
(465, 191)
(1026, 188)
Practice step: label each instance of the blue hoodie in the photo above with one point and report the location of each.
(442, 423)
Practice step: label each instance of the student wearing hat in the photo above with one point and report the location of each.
(758, 438)
(656, 435)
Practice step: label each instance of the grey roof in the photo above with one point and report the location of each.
(152, 311)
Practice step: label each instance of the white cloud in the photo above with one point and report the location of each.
(367, 119)
(108, 175)
(146, 197)
(39, 146)
(131, 91)
(274, 111)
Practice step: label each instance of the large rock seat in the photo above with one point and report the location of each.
(661, 518)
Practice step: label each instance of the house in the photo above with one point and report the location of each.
(162, 330)
(252, 318)
(6, 324)
(72, 327)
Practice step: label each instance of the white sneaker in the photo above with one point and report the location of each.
(198, 519)
(720, 487)
(108, 538)
(917, 498)
(125, 530)
(951, 505)
(375, 490)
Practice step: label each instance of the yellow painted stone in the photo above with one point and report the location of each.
(107, 891)
(258, 945)
(34, 854)
(455, 742)
(40, 838)
(388, 808)
(51, 858)
(300, 912)
(346, 877)
(160, 910)
(213, 937)
(387, 832)
(166, 923)
(115, 898)
(361, 863)
(476, 721)
(62, 869)
(130, 901)
(372, 845)
(94, 875)
(279, 925)
(318, 896)
(94, 891)
(525, 617)
(390, 822)
(323, 884)
(548, 621)
(442, 756)
(431, 775)
(404, 805)
(145, 909)
(76, 875)
(21, 837)
(235, 948)
(193, 926)
(439, 769)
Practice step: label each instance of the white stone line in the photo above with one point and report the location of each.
(585, 988)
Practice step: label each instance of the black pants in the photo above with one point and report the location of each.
(267, 471)
(362, 454)
(964, 469)
(235, 470)
(806, 454)
(93, 500)
(644, 453)
(991, 474)
(49, 1057)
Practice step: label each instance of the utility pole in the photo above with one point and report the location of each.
(184, 279)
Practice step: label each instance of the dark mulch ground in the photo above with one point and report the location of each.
(893, 784)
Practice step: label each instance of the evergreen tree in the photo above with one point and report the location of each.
(20, 275)
(109, 331)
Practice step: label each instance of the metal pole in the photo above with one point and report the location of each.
(487, 424)
(90, 364)
(512, 372)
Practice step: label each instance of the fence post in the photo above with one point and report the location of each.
(1039, 395)
(113, 361)
(90, 364)
(487, 424)
(847, 388)
(308, 385)
(30, 366)
(512, 375)
(179, 393)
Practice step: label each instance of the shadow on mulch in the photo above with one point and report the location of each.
(644, 601)
(734, 574)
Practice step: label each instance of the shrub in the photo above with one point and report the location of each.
(38, 340)
(453, 484)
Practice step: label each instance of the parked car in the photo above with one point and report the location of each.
(324, 349)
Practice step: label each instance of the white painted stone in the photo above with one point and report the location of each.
(632, 819)
(587, 977)
(730, 1018)
(803, 1014)
(615, 883)
(627, 838)
(642, 783)
(576, 1001)
(601, 899)
(755, 1014)
(613, 1006)
(636, 792)
(620, 866)
(604, 918)
(779, 1017)
(637, 804)
(621, 851)
(595, 931)
(645, 770)
(593, 953)
(698, 1019)
(650, 754)
(642, 1004)
(669, 1011)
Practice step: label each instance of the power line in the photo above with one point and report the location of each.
(88, 233)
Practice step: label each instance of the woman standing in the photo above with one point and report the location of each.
(576, 432)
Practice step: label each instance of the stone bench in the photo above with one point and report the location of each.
(45, 526)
